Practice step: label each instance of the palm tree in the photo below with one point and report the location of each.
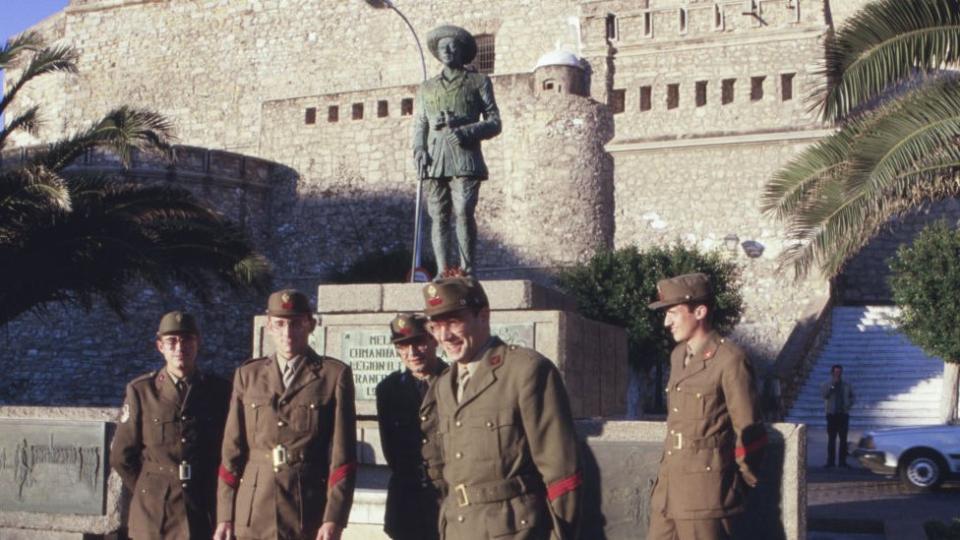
(892, 92)
(71, 238)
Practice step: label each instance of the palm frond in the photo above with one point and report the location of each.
(28, 120)
(885, 43)
(45, 61)
(14, 47)
(908, 156)
(120, 131)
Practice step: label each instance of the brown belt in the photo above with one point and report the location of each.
(499, 490)
(181, 472)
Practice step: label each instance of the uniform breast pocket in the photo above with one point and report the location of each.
(257, 410)
(161, 430)
(303, 417)
(696, 401)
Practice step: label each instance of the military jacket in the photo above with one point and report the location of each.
(467, 104)
(509, 450)
(289, 456)
(715, 438)
(412, 496)
(161, 438)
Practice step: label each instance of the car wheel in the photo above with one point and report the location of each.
(922, 470)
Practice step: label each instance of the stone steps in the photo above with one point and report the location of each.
(894, 382)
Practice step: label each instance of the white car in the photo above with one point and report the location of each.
(923, 457)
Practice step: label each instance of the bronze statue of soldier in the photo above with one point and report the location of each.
(456, 110)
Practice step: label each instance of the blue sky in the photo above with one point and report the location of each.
(18, 15)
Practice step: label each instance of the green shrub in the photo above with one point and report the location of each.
(616, 286)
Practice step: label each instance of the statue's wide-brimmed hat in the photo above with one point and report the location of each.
(463, 37)
(685, 289)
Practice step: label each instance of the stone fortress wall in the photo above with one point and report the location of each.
(568, 173)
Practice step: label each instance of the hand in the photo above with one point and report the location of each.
(422, 161)
(329, 531)
(224, 531)
(749, 478)
(453, 137)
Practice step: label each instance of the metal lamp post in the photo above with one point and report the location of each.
(418, 212)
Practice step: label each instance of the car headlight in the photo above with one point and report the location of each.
(867, 442)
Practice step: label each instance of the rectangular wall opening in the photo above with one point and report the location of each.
(383, 109)
(333, 113)
(673, 96)
(646, 98)
(406, 106)
(356, 112)
(310, 116)
(786, 86)
(726, 91)
(756, 88)
(618, 101)
(701, 92)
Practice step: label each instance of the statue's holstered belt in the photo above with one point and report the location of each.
(500, 490)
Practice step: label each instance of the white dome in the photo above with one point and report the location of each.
(559, 58)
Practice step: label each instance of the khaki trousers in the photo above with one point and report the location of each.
(664, 528)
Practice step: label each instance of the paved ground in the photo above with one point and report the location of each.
(855, 504)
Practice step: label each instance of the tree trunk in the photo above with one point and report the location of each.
(948, 396)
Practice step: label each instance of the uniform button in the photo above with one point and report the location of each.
(183, 439)
(678, 389)
(423, 418)
(489, 424)
(424, 441)
(459, 455)
(253, 405)
(155, 420)
(672, 432)
(280, 424)
(523, 522)
(458, 423)
(699, 396)
(460, 519)
(183, 485)
(676, 409)
(313, 405)
(669, 452)
(708, 468)
(183, 418)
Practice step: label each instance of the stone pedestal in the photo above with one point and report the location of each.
(592, 356)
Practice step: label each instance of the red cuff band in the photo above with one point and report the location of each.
(564, 485)
(342, 472)
(742, 451)
(227, 477)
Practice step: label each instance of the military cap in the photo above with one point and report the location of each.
(178, 322)
(453, 294)
(288, 303)
(465, 39)
(682, 290)
(406, 326)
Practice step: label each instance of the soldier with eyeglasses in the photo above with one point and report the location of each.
(167, 445)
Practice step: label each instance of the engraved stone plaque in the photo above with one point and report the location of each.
(372, 356)
(53, 467)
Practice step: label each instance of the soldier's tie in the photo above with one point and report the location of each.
(463, 375)
(181, 387)
(288, 371)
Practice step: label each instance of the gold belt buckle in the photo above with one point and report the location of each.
(462, 499)
(279, 456)
(185, 471)
(678, 444)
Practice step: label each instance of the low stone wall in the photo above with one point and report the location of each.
(49, 526)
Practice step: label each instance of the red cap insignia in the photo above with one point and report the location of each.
(435, 301)
(286, 305)
(406, 330)
(495, 361)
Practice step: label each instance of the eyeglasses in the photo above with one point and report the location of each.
(171, 342)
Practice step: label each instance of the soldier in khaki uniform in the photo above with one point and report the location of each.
(167, 445)
(714, 435)
(509, 449)
(289, 448)
(404, 403)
